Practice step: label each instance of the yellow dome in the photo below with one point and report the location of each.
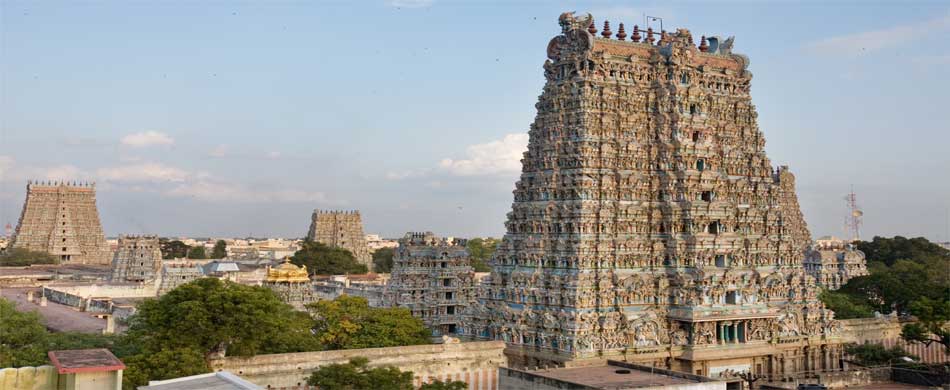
(287, 272)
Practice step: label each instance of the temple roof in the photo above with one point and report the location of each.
(287, 272)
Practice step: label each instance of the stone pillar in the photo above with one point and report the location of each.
(735, 332)
(29, 296)
(43, 301)
(110, 325)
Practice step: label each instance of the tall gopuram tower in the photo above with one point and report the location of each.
(648, 224)
(433, 278)
(61, 219)
(341, 229)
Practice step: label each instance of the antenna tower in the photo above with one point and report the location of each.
(852, 222)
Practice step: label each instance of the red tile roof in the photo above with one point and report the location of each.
(85, 360)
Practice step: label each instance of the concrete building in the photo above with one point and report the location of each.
(375, 242)
(221, 380)
(61, 219)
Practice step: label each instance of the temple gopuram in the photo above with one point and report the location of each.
(648, 224)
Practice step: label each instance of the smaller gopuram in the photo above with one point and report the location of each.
(291, 283)
(833, 261)
(432, 277)
(61, 218)
(341, 229)
(137, 259)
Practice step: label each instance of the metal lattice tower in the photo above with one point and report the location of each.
(852, 223)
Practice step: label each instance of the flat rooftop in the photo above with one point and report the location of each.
(85, 360)
(611, 377)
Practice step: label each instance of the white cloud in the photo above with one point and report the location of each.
(146, 139)
(224, 192)
(147, 172)
(502, 157)
(870, 41)
(6, 165)
(219, 151)
(411, 3)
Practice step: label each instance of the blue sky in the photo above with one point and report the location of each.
(239, 118)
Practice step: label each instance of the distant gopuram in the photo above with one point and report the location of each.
(61, 219)
(648, 224)
(341, 229)
(137, 259)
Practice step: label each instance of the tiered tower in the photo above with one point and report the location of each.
(648, 223)
(432, 277)
(137, 259)
(341, 229)
(61, 219)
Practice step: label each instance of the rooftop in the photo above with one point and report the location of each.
(618, 375)
(221, 380)
(85, 360)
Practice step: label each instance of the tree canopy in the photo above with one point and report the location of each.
(349, 322)
(481, 251)
(14, 257)
(220, 250)
(909, 276)
(383, 260)
(197, 252)
(23, 337)
(322, 259)
(440, 385)
(174, 249)
(356, 375)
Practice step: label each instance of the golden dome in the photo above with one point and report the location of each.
(287, 272)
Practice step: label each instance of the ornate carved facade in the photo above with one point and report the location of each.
(432, 277)
(61, 219)
(648, 223)
(137, 259)
(291, 283)
(342, 229)
(832, 262)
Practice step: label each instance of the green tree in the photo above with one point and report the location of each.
(174, 249)
(16, 257)
(197, 252)
(163, 364)
(23, 338)
(349, 322)
(220, 250)
(214, 316)
(481, 250)
(931, 326)
(876, 354)
(321, 259)
(890, 250)
(440, 385)
(383, 260)
(356, 375)
(844, 306)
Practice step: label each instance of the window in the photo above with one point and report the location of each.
(446, 282)
(695, 136)
(450, 310)
(448, 295)
(731, 297)
(707, 196)
(713, 228)
(700, 165)
(445, 265)
(721, 261)
(64, 249)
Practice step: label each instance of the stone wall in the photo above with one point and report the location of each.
(476, 363)
(29, 378)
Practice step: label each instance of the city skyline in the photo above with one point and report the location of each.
(228, 126)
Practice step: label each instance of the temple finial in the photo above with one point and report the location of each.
(636, 34)
(703, 46)
(591, 29)
(650, 38)
(621, 35)
(606, 33)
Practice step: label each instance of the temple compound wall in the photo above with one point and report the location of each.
(61, 219)
(833, 262)
(475, 363)
(137, 259)
(341, 229)
(433, 278)
(648, 224)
